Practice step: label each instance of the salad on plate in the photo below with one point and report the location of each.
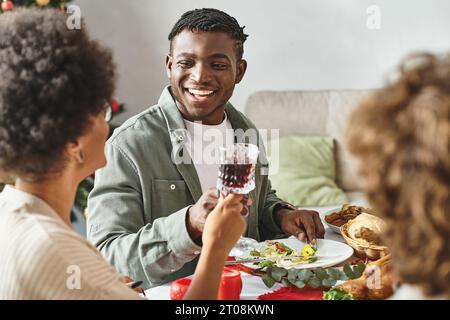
(277, 253)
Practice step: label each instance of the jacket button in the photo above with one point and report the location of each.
(180, 138)
(172, 187)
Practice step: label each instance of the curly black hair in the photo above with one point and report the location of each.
(53, 80)
(210, 20)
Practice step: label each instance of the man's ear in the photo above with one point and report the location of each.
(169, 61)
(241, 68)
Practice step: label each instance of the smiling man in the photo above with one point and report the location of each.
(148, 209)
(203, 68)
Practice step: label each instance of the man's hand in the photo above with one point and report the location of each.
(197, 214)
(302, 224)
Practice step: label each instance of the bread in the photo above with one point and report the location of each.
(366, 229)
(348, 212)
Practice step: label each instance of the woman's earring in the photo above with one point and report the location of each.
(80, 157)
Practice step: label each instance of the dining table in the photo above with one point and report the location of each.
(252, 285)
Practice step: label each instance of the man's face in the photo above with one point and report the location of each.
(203, 69)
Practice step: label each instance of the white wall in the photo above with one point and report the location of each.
(293, 44)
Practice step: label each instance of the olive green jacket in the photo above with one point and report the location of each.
(137, 209)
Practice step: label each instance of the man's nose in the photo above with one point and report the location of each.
(200, 74)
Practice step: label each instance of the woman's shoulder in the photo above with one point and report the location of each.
(36, 233)
(50, 258)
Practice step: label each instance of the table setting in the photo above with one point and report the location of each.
(253, 286)
(336, 267)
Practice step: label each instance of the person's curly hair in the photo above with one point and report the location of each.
(52, 81)
(401, 137)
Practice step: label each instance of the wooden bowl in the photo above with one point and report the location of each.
(373, 252)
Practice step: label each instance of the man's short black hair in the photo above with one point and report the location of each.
(210, 20)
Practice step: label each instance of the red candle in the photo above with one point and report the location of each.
(230, 286)
(178, 288)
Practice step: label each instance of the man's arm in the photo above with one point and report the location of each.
(269, 229)
(118, 228)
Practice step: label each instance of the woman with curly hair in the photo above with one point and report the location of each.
(53, 87)
(401, 137)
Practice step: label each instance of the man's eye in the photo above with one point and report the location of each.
(185, 64)
(220, 66)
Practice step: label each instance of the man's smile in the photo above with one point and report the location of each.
(200, 94)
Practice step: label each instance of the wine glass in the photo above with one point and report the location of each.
(237, 164)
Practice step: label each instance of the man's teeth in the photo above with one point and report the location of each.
(200, 92)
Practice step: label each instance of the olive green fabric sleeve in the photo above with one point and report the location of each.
(149, 252)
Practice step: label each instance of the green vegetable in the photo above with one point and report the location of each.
(255, 253)
(348, 271)
(315, 278)
(321, 273)
(299, 284)
(289, 250)
(268, 281)
(336, 274)
(358, 270)
(337, 293)
(305, 274)
(278, 273)
(314, 283)
(292, 275)
(266, 263)
(328, 282)
(286, 282)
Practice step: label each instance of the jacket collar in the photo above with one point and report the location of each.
(178, 137)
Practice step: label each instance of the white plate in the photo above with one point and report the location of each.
(330, 253)
(332, 227)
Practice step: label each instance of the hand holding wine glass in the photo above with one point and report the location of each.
(224, 224)
(237, 176)
(222, 229)
(198, 213)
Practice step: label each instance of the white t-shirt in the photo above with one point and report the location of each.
(202, 144)
(43, 258)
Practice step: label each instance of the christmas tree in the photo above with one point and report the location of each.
(8, 5)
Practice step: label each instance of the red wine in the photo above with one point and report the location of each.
(235, 175)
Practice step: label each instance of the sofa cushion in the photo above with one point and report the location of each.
(306, 171)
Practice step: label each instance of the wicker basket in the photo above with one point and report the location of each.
(373, 252)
